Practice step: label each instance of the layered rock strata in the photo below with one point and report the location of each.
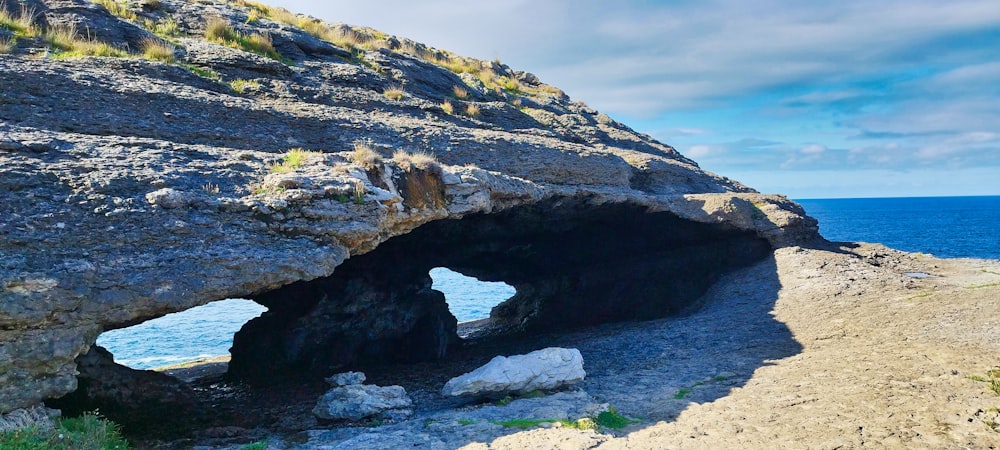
(132, 188)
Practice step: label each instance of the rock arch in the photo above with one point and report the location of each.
(573, 262)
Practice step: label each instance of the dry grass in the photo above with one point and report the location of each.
(422, 161)
(23, 25)
(156, 50)
(460, 92)
(448, 107)
(394, 93)
(7, 45)
(221, 32)
(472, 110)
(70, 45)
(364, 156)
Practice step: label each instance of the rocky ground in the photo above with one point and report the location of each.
(837, 347)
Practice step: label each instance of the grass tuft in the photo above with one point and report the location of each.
(220, 32)
(460, 92)
(448, 107)
(472, 110)
(119, 9)
(364, 156)
(292, 160)
(69, 44)
(409, 161)
(394, 93)
(240, 85)
(164, 27)
(156, 50)
(23, 25)
(7, 44)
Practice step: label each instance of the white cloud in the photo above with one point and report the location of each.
(813, 149)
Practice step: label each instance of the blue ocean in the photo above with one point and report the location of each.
(947, 227)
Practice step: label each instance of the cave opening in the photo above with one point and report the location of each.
(469, 299)
(572, 263)
(562, 264)
(201, 332)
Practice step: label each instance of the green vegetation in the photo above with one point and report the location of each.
(240, 85)
(992, 378)
(920, 295)
(683, 392)
(86, 432)
(119, 9)
(259, 445)
(167, 28)
(613, 419)
(292, 160)
(204, 73)
(220, 32)
(466, 422)
(981, 286)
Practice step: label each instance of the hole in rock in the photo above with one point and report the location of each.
(469, 298)
(564, 263)
(201, 332)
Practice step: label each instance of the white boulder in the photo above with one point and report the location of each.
(544, 369)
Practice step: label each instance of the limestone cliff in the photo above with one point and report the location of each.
(261, 151)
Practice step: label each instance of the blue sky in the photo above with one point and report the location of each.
(809, 99)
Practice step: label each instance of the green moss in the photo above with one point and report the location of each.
(613, 419)
(683, 392)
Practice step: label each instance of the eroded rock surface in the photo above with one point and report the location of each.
(134, 188)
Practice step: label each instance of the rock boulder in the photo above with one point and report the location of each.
(359, 401)
(544, 369)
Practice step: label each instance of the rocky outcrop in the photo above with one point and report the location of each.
(134, 188)
(540, 370)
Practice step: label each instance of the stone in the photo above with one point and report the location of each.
(359, 401)
(346, 378)
(158, 175)
(168, 198)
(544, 369)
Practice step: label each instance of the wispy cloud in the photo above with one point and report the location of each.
(897, 85)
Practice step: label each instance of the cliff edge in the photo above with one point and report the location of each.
(161, 155)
